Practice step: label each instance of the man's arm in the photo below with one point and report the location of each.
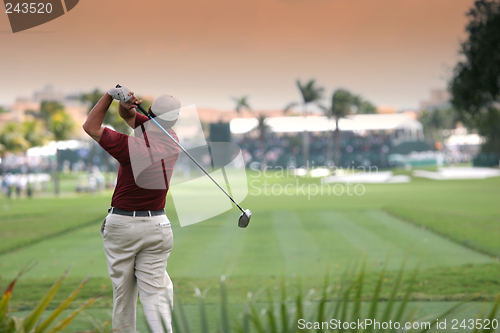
(93, 124)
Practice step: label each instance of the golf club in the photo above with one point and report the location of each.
(246, 213)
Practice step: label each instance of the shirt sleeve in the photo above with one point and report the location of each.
(116, 144)
(140, 119)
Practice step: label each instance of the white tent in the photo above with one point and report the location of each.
(50, 149)
(464, 140)
(356, 123)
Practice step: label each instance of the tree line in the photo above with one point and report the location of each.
(342, 104)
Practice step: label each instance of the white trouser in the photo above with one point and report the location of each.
(137, 249)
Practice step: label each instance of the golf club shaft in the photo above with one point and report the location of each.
(189, 155)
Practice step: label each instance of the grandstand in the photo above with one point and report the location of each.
(366, 139)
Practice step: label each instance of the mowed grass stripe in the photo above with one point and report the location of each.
(261, 254)
(218, 254)
(81, 249)
(401, 234)
(437, 250)
(191, 244)
(25, 221)
(469, 228)
(358, 241)
(300, 251)
(377, 234)
(337, 252)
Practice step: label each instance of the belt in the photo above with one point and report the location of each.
(141, 213)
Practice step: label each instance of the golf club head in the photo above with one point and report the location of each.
(244, 218)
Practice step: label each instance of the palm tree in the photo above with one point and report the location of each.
(241, 103)
(363, 106)
(289, 107)
(342, 102)
(310, 94)
(263, 129)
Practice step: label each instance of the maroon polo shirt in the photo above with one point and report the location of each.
(153, 162)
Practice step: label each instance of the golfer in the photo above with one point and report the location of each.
(137, 234)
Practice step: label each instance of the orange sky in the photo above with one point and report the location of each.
(390, 51)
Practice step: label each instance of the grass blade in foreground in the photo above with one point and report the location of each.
(42, 305)
(4, 303)
(348, 304)
(21, 325)
(63, 306)
(203, 312)
(66, 321)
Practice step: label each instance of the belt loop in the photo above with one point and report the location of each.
(134, 213)
(112, 210)
(149, 212)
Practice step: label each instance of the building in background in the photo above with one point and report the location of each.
(440, 98)
(48, 93)
(24, 108)
(386, 109)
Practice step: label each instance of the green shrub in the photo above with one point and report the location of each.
(343, 301)
(31, 323)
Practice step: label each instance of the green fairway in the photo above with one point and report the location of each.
(465, 211)
(26, 221)
(290, 242)
(449, 229)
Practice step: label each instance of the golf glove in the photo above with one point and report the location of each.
(120, 93)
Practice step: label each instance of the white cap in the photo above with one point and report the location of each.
(166, 107)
